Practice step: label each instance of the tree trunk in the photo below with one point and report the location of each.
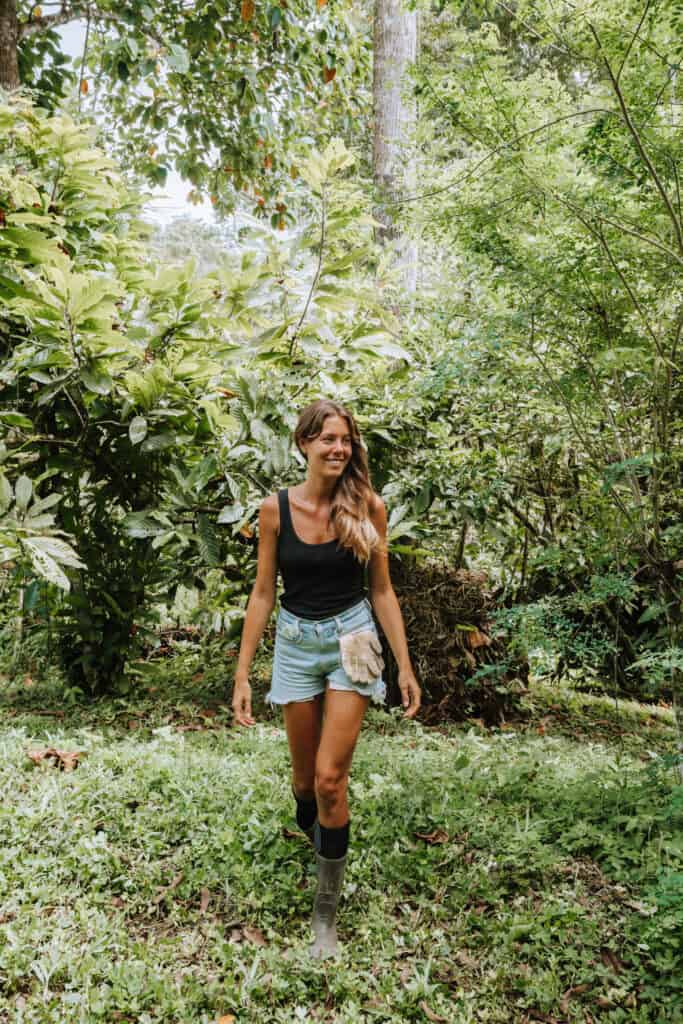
(9, 39)
(395, 47)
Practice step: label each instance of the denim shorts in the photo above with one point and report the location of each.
(307, 655)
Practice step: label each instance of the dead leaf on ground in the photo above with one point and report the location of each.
(376, 1003)
(434, 838)
(175, 882)
(465, 960)
(611, 960)
(66, 760)
(254, 935)
(204, 901)
(475, 638)
(227, 1018)
(575, 990)
(290, 833)
(545, 1017)
(430, 1015)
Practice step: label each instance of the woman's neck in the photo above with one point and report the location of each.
(317, 491)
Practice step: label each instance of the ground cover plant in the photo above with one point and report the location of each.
(527, 873)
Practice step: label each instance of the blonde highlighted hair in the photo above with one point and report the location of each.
(352, 496)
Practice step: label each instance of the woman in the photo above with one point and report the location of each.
(321, 535)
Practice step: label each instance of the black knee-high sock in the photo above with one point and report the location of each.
(306, 812)
(332, 843)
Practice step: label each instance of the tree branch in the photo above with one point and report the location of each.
(48, 21)
(314, 283)
(496, 152)
(83, 60)
(644, 155)
(633, 39)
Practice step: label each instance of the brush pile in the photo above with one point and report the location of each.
(464, 668)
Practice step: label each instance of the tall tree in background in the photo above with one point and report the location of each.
(395, 49)
(9, 37)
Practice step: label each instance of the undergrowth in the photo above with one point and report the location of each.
(531, 873)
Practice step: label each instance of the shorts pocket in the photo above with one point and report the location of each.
(289, 631)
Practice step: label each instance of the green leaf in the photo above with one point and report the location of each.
(422, 499)
(377, 345)
(32, 244)
(43, 504)
(57, 549)
(96, 380)
(6, 493)
(231, 514)
(208, 541)
(162, 539)
(137, 431)
(15, 419)
(39, 522)
(23, 489)
(141, 526)
(158, 442)
(178, 58)
(45, 566)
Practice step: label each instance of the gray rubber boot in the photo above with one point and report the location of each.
(330, 878)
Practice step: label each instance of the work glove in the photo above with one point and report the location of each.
(361, 655)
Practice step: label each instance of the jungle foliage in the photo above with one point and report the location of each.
(217, 91)
(146, 411)
(523, 417)
(549, 203)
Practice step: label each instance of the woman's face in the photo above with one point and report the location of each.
(330, 451)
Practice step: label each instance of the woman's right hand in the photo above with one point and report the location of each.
(241, 703)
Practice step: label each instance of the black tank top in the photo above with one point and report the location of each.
(320, 580)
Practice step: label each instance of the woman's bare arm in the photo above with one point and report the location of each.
(386, 606)
(259, 607)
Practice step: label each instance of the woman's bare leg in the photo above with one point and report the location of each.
(303, 721)
(344, 711)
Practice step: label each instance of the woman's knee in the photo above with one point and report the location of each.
(330, 784)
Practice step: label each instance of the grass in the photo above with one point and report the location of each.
(531, 873)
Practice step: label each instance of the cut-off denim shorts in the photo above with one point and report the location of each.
(307, 655)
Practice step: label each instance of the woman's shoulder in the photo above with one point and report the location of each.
(376, 507)
(269, 514)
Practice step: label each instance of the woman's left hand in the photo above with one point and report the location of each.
(411, 695)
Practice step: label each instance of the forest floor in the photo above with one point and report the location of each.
(522, 874)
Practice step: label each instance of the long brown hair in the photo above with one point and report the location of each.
(352, 496)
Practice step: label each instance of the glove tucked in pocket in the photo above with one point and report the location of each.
(361, 656)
